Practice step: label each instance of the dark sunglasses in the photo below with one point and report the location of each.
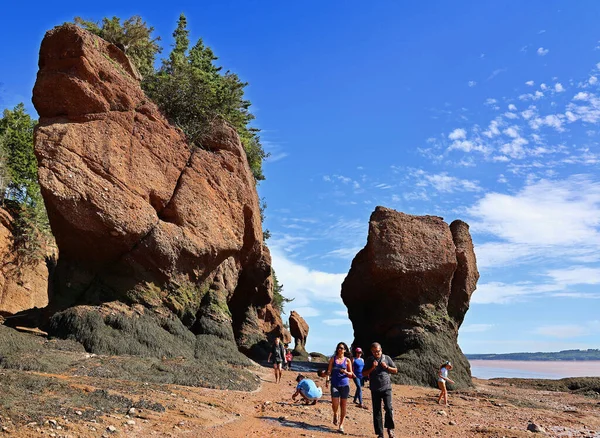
(341, 348)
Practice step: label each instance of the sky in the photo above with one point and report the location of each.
(488, 112)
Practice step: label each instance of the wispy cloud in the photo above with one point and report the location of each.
(475, 328)
(496, 73)
(471, 83)
(336, 321)
(542, 52)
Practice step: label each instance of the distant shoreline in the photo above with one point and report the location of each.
(566, 356)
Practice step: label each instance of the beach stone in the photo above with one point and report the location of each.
(532, 427)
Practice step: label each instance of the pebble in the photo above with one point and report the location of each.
(452, 423)
(442, 413)
(130, 423)
(111, 429)
(78, 413)
(132, 411)
(532, 427)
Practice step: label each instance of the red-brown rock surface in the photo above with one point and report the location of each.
(22, 286)
(131, 204)
(409, 289)
(299, 331)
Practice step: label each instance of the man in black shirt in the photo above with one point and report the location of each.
(379, 367)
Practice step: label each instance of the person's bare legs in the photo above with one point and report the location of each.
(443, 393)
(343, 404)
(277, 370)
(335, 403)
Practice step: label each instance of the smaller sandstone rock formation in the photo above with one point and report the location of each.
(299, 331)
(409, 290)
(22, 286)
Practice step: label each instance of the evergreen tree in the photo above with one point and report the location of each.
(279, 300)
(31, 230)
(16, 133)
(133, 37)
(191, 91)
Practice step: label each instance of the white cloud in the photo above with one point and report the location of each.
(489, 101)
(592, 80)
(306, 286)
(575, 275)
(543, 87)
(546, 220)
(530, 83)
(562, 331)
(558, 87)
(444, 183)
(475, 328)
(512, 107)
(492, 130)
(458, 134)
(336, 322)
(472, 83)
(542, 52)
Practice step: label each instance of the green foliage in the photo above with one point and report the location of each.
(16, 139)
(133, 37)
(31, 230)
(192, 92)
(184, 298)
(279, 300)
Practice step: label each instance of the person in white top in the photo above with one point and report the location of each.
(442, 379)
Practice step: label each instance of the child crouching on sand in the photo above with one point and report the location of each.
(442, 379)
(309, 391)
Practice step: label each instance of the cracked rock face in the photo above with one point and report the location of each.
(129, 202)
(409, 290)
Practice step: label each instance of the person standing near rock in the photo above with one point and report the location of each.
(358, 363)
(442, 379)
(339, 371)
(278, 353)
(379, 367)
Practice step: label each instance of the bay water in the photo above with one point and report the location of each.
(533, 369)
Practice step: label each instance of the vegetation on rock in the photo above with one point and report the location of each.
(188, 88)
(20, 190)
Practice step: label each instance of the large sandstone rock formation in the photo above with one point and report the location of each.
(409, 289)
(138, 215)
(23, 286)
(299, 331)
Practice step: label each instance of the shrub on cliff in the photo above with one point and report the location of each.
(133, 37)
(20, 188)
(188, 88)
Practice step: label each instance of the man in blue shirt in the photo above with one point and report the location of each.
(309, 391)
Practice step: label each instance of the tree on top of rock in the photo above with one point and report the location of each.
(192, 91)
(189, 88)
(133, 37)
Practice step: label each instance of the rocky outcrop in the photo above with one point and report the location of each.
(23, 286)
(409, 290)
(139, 216)
(299, 331)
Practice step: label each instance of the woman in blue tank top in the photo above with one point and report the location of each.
(340, 372)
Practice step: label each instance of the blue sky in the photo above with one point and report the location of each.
(487, 112)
